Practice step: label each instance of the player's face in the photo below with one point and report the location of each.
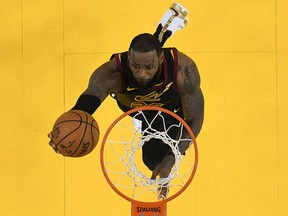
(145, 65)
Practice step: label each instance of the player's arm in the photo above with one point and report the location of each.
(104, 80)
(188, 80)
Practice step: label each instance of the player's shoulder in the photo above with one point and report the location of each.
(119, 55)
(110, 65)
(187, 74)
(108, 71)
(186, 65)
(184, 60)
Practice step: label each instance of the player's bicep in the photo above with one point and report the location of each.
(189, 88)
(193, 105)
(103, 81)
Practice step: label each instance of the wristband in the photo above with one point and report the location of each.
(87, 103)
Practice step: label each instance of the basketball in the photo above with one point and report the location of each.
(75, 133)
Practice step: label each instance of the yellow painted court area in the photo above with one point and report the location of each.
(48, 50)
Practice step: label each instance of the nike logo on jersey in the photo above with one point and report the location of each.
(156, 85)
(131, 88)
(176, 110)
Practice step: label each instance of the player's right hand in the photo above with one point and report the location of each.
(162, 170)
(52, 144)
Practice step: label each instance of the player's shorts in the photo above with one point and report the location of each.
(154, 150)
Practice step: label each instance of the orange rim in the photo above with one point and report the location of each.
(155, 109)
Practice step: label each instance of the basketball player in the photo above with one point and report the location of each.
(149, 75)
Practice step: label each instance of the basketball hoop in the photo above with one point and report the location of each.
(122, 164)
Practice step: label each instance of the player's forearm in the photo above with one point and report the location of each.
(195, 125)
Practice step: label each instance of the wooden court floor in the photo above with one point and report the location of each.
(48, 50)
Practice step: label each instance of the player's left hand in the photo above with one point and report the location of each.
(163, 170)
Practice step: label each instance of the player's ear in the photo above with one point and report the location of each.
(128, 55)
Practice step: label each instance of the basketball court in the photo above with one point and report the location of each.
(49, 50)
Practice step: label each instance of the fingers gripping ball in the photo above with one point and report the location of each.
(75, 133)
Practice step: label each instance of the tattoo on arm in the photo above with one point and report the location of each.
(103, 82)
(191, 78)
(191, 96)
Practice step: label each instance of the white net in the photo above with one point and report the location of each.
(123, 158)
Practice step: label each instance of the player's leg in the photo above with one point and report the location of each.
(154, 150)
(174, 19)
